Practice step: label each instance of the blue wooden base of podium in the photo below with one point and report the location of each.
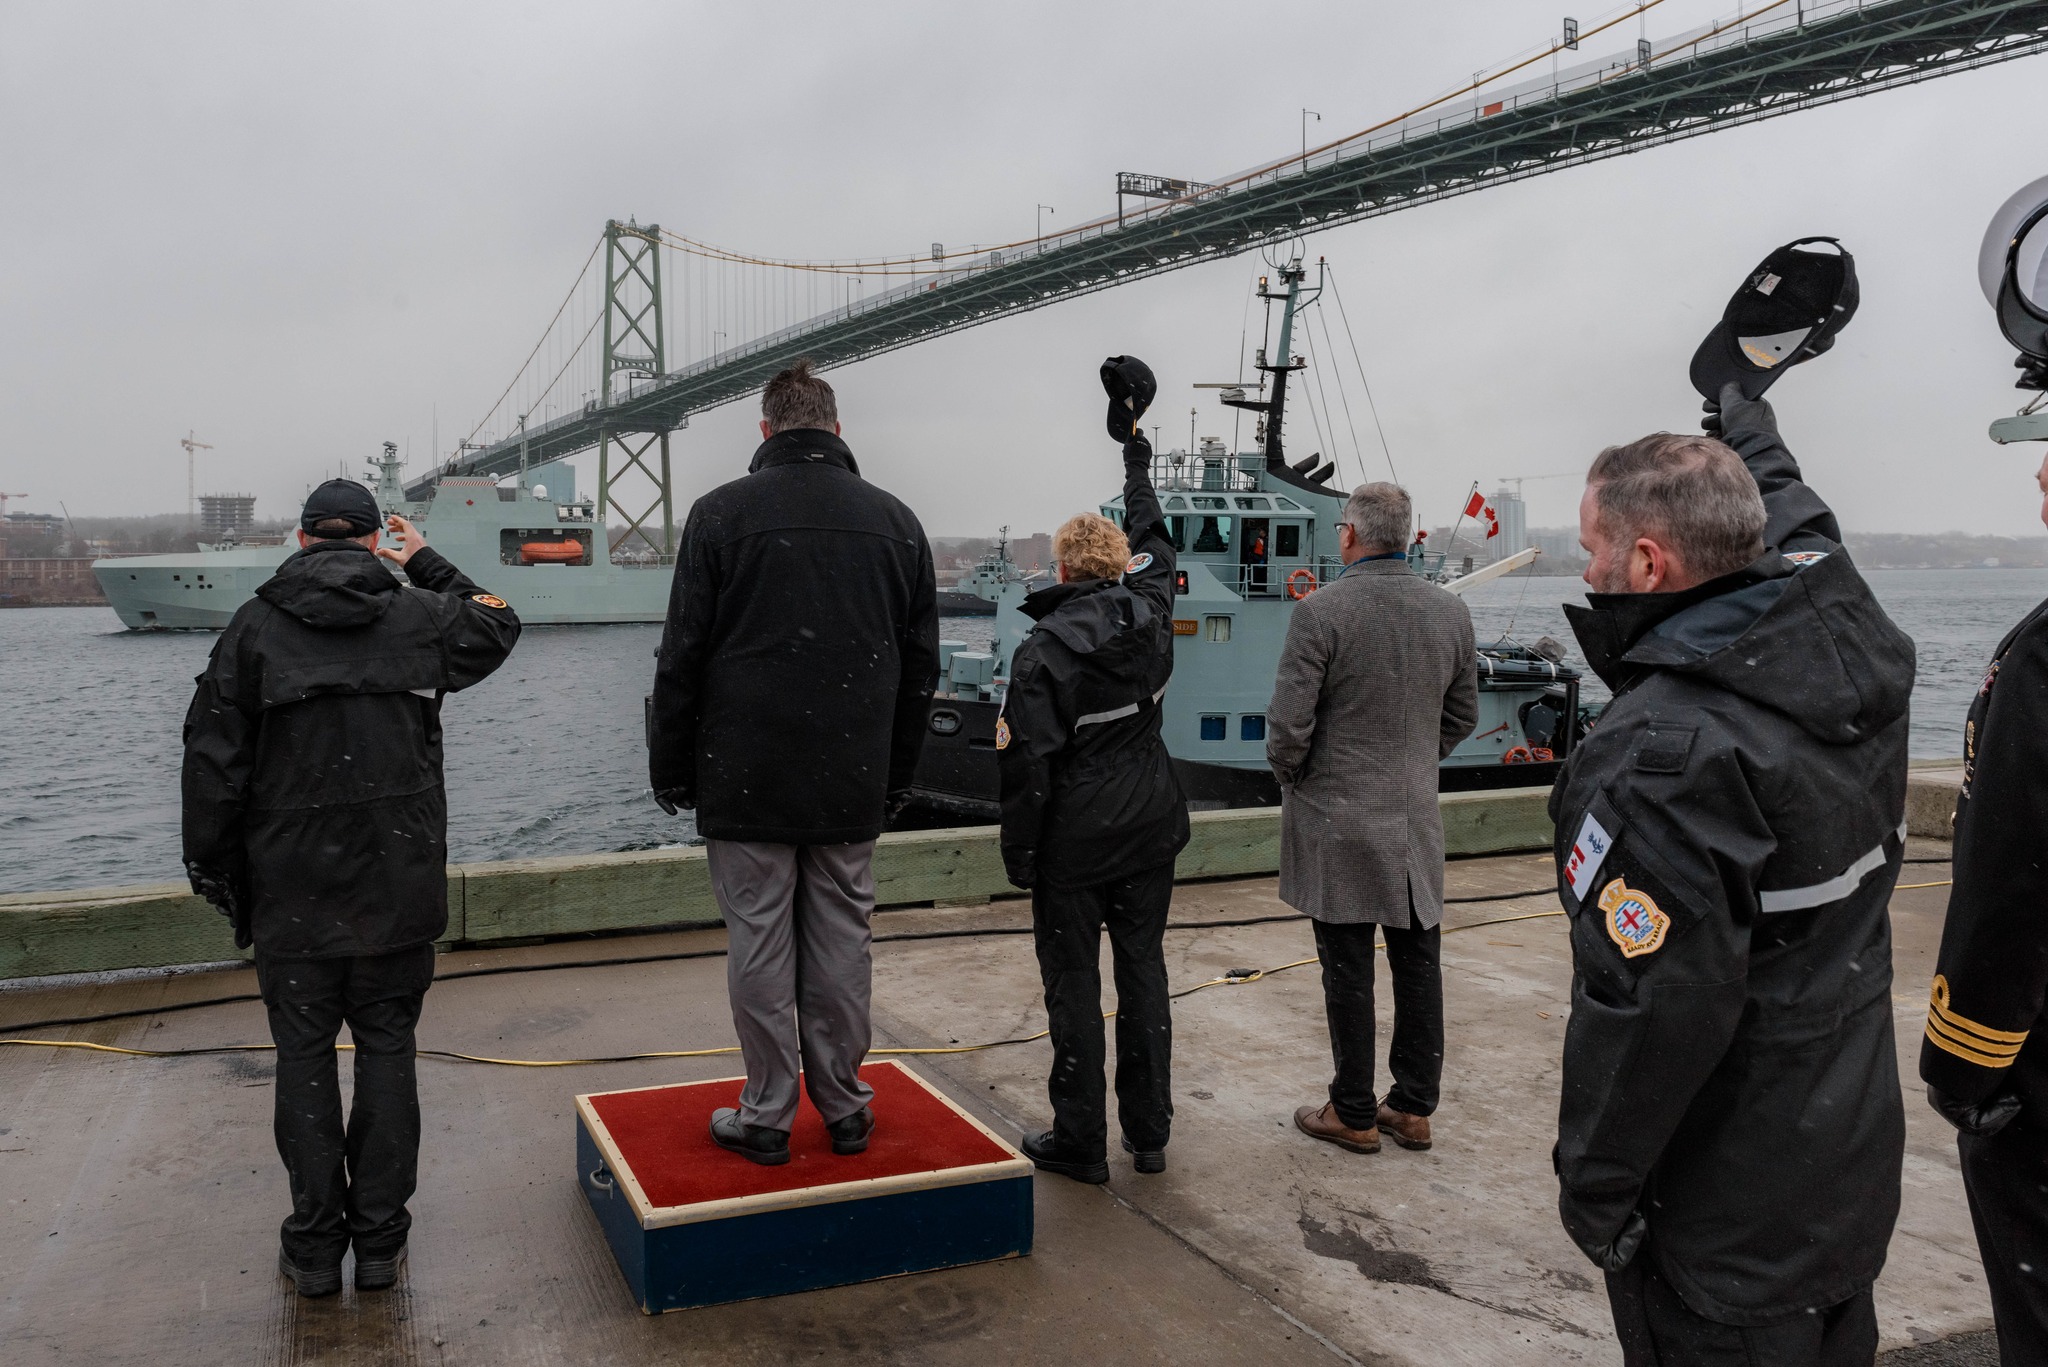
(692, 1224)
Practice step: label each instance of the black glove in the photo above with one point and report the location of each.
(670, 799)
(1138, 451)
(1733, 413)
(2033, 372)
(222, 891)
(893, 806)
(1020, 872)
(1985, 1117)
(1617, 1255)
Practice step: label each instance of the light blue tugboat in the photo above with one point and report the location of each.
(1254, 535)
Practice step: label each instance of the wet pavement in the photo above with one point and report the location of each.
(142, 1195)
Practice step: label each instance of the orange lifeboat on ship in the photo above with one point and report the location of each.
(568, 552)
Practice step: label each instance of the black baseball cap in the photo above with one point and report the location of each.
(341, 498)
(1130, 384)
(1787, 311)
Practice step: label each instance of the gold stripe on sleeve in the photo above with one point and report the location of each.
(1964, 1024)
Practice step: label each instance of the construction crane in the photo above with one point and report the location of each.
(190, 441)
(1519, 480)
(3, 502)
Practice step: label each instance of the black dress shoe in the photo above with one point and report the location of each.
(378, 1271)
(312, 1282)
(1039, 1149)
(756, 1143)
(850, 1133)
(1146, 1160)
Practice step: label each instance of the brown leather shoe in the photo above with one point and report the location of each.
(1409, 1131)
(1322, 1122)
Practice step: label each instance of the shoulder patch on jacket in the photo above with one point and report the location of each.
(1665, 749)
(1002, 733)
(1139, 562)
(1633, 919)
(1804, 558)
(489, 600)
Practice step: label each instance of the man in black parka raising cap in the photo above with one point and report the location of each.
(316, 821)
(1731, 1132)
(1092, 814)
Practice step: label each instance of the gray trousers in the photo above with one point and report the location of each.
(798, 972)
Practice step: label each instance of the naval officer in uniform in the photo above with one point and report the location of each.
(1984, 1070)
(1730, 1130)
(1092, 813)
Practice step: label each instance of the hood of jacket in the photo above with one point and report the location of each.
(798, 444)
(331, 585)
(1086, 614)
(1805, 640)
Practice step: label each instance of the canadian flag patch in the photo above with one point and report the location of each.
(1589, 852)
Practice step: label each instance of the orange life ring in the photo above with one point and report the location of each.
(1528, 754)
(1300, 584)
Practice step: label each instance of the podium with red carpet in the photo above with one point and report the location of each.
(692, 1224)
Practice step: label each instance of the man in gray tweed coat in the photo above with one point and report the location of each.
(1377, 683)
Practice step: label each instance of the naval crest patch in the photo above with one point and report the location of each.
(489, 600)
(1804, 558)
(1002, 733)
(1140, 561)
(1634, 921)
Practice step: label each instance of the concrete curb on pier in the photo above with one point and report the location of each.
(92, 930)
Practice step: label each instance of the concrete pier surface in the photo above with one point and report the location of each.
(142, 1196)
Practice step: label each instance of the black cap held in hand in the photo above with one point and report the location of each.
(1787, 311)
(341, 498)
(1130, 385)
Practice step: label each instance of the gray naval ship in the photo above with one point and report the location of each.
(534, 545)
(1253, 535)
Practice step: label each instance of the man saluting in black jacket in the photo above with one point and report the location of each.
(315, 819)
(1092, 814)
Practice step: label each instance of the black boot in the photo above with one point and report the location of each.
(378, 1271)
(756, 1143)
(850, 1133)
(310, 1281)
(1043, 1155)
(1146, 1160)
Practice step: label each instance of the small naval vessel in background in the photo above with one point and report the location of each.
(976, 593)
(533, 544)
(1254, 535)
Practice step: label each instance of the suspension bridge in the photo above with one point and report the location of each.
(608, 374)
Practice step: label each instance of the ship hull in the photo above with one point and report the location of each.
(480, 528)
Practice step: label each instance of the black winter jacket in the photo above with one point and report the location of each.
(1980, 1042)
(800, 654)
(312, 779)
(1088, 789)
(1727, 841)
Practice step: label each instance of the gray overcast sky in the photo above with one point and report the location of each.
(299, 229)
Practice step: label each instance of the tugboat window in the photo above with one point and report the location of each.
(1214, 534)
(1251, 728)
(1215, 728)
(1218, 630)
(1287, 540)
(1177, 532)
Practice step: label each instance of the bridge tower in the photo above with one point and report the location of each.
(633, 349)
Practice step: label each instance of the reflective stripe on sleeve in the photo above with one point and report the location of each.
(1835, 889)
(1115, 714)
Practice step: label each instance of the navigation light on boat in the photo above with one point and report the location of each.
(2012, 268)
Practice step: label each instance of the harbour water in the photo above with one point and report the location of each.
(546, 757)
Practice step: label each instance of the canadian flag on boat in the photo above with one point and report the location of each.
(1477, 506)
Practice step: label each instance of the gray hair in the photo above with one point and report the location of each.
(1381, 515)
(1691, 493)
(798, 398)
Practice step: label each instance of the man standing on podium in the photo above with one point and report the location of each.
(789, 711)
(1092, 814)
